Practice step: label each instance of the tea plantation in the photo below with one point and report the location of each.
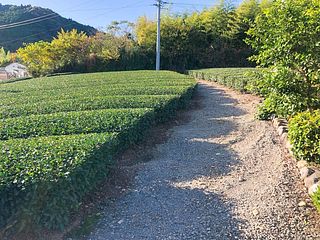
(59, 135)
(238, 78)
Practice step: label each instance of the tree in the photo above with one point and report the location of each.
(146, 32)
(37, 57)
(287, 39)
(70, 49)
(5, 57)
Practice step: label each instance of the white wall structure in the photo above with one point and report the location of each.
(3, 74)
(17, 70)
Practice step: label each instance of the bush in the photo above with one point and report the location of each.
(110, 120)
(76, 93)
(316, 199)
(43, 177)
(85, 104)
(304, 135)
(283, 105)
(286, 39)
(241, 79)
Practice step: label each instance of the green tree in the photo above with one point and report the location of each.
(287, 39)
(5, 57)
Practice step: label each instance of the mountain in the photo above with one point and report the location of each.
(46, 25)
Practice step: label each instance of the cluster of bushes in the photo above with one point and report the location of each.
(286, 39)
(57, 142)
(304, 134)
(241, 79)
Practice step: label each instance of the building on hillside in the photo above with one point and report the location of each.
(16, 70)
(3, 74)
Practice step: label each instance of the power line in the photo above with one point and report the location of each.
(36, 19)
(66, 25)
(190, 4)
(30, 22)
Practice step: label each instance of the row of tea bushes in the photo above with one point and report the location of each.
(59, 135)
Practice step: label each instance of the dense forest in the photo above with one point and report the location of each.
(45, 29)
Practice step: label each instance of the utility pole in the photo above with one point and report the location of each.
(159, 5)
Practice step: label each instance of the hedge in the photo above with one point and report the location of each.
(65, 123)
(24, 98)
(43, 177)
(237, 78)
(85, 104)
(304, 135)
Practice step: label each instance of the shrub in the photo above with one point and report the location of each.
(316, 199)
(13, 98)
(114, 120)
(85, 104)
(43, 178)
(285, 37)
(283, 105)
(304, 134)
(241, 79)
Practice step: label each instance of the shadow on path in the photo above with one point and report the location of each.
(162, 202)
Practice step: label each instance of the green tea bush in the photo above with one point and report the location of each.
(13, 98)
(65, 123)
(241, 79)
(44, 179)
(86, 104)
(59, 135)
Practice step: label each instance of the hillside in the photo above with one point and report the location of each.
(45, 29)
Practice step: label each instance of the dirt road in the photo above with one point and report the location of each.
(220, 175)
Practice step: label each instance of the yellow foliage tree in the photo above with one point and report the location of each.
(70, 48)
(38, 58)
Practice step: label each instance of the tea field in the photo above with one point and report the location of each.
(59, 135)
(240, 79)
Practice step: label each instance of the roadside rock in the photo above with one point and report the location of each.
(312, 179)
(306, 172)
(314, 188)
(302, 204)
(301, 164)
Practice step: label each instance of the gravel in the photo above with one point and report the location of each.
(220, 175)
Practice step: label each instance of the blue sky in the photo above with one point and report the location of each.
(100, 13)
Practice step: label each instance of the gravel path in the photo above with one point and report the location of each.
(220, 175)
